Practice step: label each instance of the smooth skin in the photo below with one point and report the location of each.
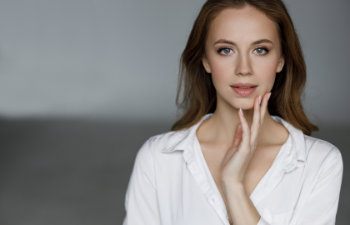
(235, 163)
(242, 46)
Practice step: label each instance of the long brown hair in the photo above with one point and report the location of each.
(199, 94)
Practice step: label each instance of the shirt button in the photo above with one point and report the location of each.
(187, 156)
(213, 200)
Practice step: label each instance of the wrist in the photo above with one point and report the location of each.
(232, 185)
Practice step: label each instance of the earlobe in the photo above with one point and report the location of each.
(206, 64)
(280, 65)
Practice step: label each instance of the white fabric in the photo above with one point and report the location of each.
(171, 183)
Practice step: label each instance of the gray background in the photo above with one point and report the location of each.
(84, 83)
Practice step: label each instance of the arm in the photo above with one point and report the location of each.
(240, 206)
(141, 200)
(235, 163)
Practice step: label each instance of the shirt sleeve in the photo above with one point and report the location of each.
(322, 204)
(141, 203)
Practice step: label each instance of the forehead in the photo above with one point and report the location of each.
(245, 24)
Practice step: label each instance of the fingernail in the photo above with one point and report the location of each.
(269, 96)
(241, 111)
(259, 99)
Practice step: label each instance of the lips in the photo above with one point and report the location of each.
(243, 85)
(244, 89)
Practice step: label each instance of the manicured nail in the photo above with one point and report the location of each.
(259, 99)
(241, 111)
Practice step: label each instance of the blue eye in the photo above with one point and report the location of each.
(261, 51)
(225, 51)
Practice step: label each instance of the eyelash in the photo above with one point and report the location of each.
(263, 48)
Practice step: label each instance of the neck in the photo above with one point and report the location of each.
(221, 127)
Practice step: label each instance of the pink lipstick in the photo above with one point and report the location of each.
(244, 89)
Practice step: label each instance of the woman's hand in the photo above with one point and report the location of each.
(237, 158)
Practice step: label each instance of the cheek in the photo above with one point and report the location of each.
(221, 67)
(221, 77)
(267, 69)
(271, 81)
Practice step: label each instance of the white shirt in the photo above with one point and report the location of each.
(171, 183)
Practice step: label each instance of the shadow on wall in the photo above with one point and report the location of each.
(76, 171)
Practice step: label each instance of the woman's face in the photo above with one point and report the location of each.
(243, 54)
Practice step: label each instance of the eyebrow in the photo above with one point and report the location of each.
(232, 43)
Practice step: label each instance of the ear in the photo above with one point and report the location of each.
(206, 64)
(280, 64)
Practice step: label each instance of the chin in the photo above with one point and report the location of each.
(245, 104)
(247, 107)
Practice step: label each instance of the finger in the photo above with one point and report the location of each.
(245, 128)
(236, 142)
(238, 136)
(264, 106)
(256, 121)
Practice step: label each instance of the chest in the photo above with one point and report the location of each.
(187, 196)
(259, 165)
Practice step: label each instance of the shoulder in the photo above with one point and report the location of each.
(150, 157)
(322, 150)
(320, 145)
(162, 142)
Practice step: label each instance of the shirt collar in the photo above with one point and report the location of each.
(297, 139)
(294, 155)
(185, 138)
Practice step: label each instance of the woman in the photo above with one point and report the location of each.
(241, 153)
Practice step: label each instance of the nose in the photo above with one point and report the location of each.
(243, 66)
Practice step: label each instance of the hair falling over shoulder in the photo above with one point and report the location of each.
(199, 95)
